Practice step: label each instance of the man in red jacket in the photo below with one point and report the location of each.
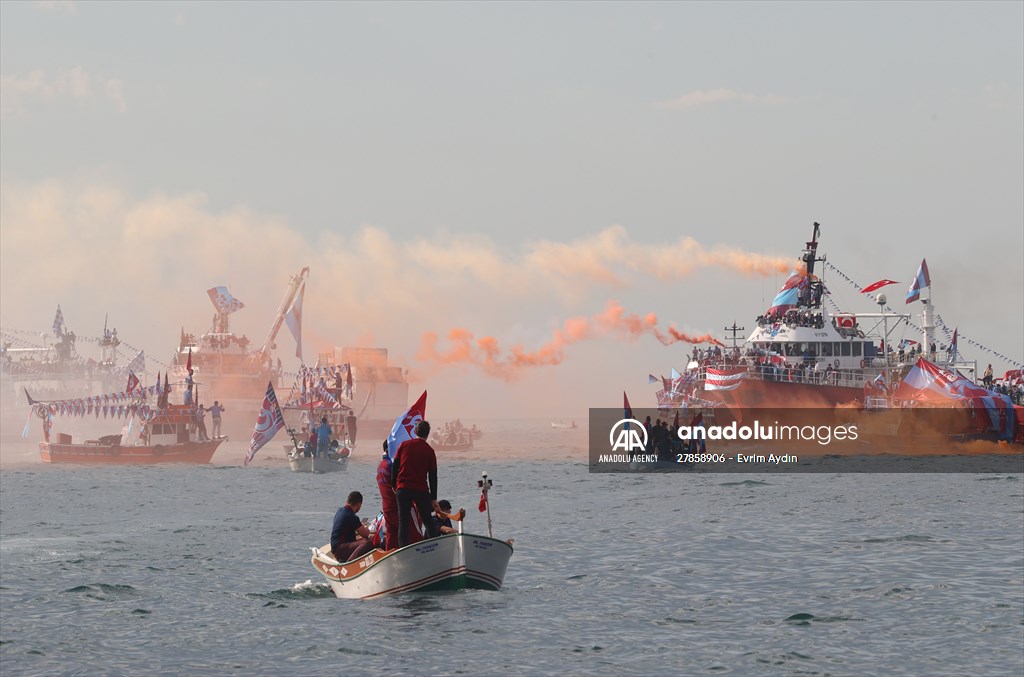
(414, 477)
(388, 501)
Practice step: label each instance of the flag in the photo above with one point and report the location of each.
(675, 422)
(651, 378)
(223, 301)
(482, 506)
(270, 420)
(293, 318)
(698, 422)
(58, 322)
(905, 343)
(724, 379)
(921, 280)
(406, 424)
(133, 382)
(952, 345)
(875, 286)
(627, 411)
(167, 385)
(188, 365)
(675, 375)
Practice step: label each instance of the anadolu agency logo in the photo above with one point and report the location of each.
(631, 436)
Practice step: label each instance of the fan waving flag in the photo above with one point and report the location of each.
(268, 423)
(223, 301)
(293, 318)
(921, 281)
(875, 286)
(405, 424)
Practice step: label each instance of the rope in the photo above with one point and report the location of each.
(940, 323)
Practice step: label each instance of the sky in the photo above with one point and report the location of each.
(560, 178)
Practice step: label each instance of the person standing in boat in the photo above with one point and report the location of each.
(388, 500)
(414, 478)
(215, 412)
(189, 382)
(349, 538)
(323, 437)
(201, 423)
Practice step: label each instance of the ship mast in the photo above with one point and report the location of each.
(811, 250)
(293, 288)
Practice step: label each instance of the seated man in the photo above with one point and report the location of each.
(443, 518)
(349, 538)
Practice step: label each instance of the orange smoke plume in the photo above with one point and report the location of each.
(486, 353)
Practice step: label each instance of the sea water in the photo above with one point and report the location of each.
(205, 570)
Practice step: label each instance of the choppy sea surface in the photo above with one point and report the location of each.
(205, 570)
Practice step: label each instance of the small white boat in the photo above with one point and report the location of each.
(451, 562)
(300, 463)
(448, 562)
(566, 426)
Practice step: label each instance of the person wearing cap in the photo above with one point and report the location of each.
(388, 500)
(442, 518)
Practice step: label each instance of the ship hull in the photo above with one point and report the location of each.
(105, 454)
(758, 394)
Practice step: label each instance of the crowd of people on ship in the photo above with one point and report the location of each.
(793, 318)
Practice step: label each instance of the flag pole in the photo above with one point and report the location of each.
(485, 485)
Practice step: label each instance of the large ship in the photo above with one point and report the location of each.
(806, 352)
(229, 368)
(55, 366)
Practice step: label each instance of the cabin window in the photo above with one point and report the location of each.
(844, 348)
(826, 350)
(810, 348)
(856, 348)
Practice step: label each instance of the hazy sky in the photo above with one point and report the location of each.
(500, 168)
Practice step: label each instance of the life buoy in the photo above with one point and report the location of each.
(863, 363)
(836, 363)
(860, 334)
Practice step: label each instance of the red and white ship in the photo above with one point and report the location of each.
(801, 355)
(227, 367)
(164, 434)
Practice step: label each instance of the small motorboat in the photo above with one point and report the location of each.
(451, 562)
(454, 561)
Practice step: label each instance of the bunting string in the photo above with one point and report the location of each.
(940, 323)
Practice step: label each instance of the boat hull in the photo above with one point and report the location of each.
(451, 562)
(105, 454)
(318, 464)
